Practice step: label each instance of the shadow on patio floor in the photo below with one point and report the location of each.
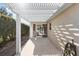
(40, 47)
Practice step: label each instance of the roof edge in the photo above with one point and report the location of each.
(64, 7)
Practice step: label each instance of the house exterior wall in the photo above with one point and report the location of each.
(65, 27)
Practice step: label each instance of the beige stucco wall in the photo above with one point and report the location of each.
(65, 27)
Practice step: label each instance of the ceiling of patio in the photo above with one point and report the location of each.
(35, 12)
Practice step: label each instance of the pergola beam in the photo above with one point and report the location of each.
(18, 36)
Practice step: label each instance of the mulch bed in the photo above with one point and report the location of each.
(9, 49)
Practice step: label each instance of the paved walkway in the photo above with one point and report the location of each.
(39, 47)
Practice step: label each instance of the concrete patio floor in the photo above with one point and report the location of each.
(40, 47)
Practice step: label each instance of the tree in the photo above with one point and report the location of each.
(8, 26)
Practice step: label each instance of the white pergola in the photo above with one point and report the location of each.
(33, 12)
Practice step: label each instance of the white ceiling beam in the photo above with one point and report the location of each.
(43, 9)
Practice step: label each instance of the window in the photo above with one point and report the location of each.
(49, 26)
(34, 26)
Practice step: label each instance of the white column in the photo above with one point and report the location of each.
(18, 36)
(31, 31)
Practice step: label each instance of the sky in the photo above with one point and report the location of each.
(2, 5)
(8, 10)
